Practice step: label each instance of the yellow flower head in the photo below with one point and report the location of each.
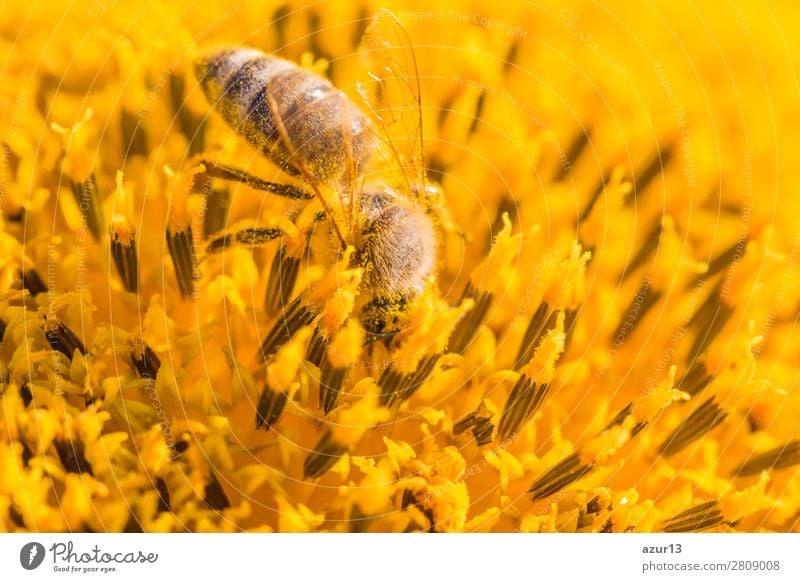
(581, 315)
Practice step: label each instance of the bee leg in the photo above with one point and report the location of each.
(232, 174)
(243, 235)
(382, 317)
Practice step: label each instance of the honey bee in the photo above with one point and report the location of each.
(363, 166)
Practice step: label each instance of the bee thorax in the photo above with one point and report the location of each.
(396, 246)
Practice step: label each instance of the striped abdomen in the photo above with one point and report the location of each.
(314, 114)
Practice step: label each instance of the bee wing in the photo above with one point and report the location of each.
(392, 95)
(280, 116)
(351, 177)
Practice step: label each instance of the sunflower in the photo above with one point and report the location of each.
(608, 344)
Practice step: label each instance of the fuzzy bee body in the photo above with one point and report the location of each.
(240, 82)
(331, 141)
(396, 247)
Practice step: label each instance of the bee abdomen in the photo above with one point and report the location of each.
(235, 82)
(313, 113)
